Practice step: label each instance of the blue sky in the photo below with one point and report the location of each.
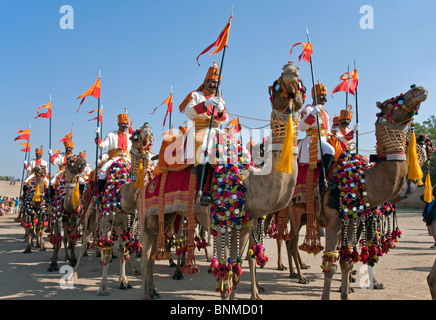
(144, 47)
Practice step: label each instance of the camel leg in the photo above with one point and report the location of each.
(65, 239)
(332, 230)
(106, 255)
(149, 242)
(86, 235)
(431, 280)
(28, 235)
(72, 243)
(124, 255)
(280, 265)
(41, 238)
(56, 247)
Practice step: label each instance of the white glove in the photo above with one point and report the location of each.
(50, 152)
(97, 130)
(316, 109)
(220, 107)
(214, 100)
(356, 127)
(25, 162)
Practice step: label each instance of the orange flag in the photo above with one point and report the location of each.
(100, 118)
(354, 82)
(26, 146)
(168, 101)
(46, 114)
(236, 125)
(25, 135)
(221, 42)
(307, 51)
(343, 86)
(94, 91)
(68, 136)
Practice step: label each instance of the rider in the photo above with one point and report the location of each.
(198, 106)
(61, 161)
(308, 148)
(342, 131)
(34, 162)
(118, 145)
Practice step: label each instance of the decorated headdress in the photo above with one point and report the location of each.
(346, 114)
(124, 117)
(68, 144)
(335, 120)
(213, 72)
(39, 150)
(82, 154)
(319, 89)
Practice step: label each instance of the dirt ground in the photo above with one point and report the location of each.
(25, 277)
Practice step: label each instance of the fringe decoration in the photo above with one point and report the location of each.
(161, 252)
(190, 266)
(415, 172)
(282, 225)
(285, 163)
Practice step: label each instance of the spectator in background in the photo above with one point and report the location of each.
(429, 217)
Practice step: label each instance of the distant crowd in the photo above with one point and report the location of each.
(9, 205)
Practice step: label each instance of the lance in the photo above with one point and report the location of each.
(101, 123)
(96, 147)
(49, 147)
(317, 116)
(169, 124)
(206, 151)
(357, 115)
(348, 86)
(25, 156)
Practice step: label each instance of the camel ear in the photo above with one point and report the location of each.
(384, 107)
(379, 105)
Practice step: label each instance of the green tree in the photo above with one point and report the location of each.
(428, 127)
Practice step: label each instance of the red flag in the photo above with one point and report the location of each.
(221, 42)
(25, 135)
(100, 118)
(46, 114)
(343, 86)
(236, 126)
(354, 82)
(307, 51)
(168, 101)
(94, 91)
(68, 136)
(26, 146)
(55, 154)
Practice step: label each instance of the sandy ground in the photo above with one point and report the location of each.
(25, 277)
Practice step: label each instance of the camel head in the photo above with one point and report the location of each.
(75, 165)
(40, 172)
(288, 91)
(142, 139)
(401, 109)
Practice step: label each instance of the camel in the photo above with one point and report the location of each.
(268, 190)
(431, 281)
(121, 220)
(66, 211)
(34, 208)
(383, 181)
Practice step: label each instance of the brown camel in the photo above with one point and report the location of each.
(66, 211)
(33, 208)
(121, 220)
(431, 280)
(268, 190)
(383, 180)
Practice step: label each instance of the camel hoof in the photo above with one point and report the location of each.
(178, 275)
(303, 281)
(53, 267)
(379, 286)
(282, 268)
(304, 266)
(102, 293)
(293, 275)
(125, 286)
(28, 251)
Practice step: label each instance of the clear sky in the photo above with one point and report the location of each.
(144, 47)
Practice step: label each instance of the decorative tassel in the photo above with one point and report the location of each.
(428, 197)
(37, 196)
(285, 163)
(139, 184)
(76, 196)
(415, 172)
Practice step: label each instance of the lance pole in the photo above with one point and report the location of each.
(206, 151)
(25, 157)
(169, 124)
(317, 115)
(357, 115)
(96, 147)
(49, 147)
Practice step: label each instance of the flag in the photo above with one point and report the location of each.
(26, 146)
(354, 81)
(343, 86)
(236, 126)
(46, 114)
(94, 91)
(25, 135)
(168, 101)
(100, 118)
(221, 42)
(55, 154)
(307, 51)
(68, 136)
